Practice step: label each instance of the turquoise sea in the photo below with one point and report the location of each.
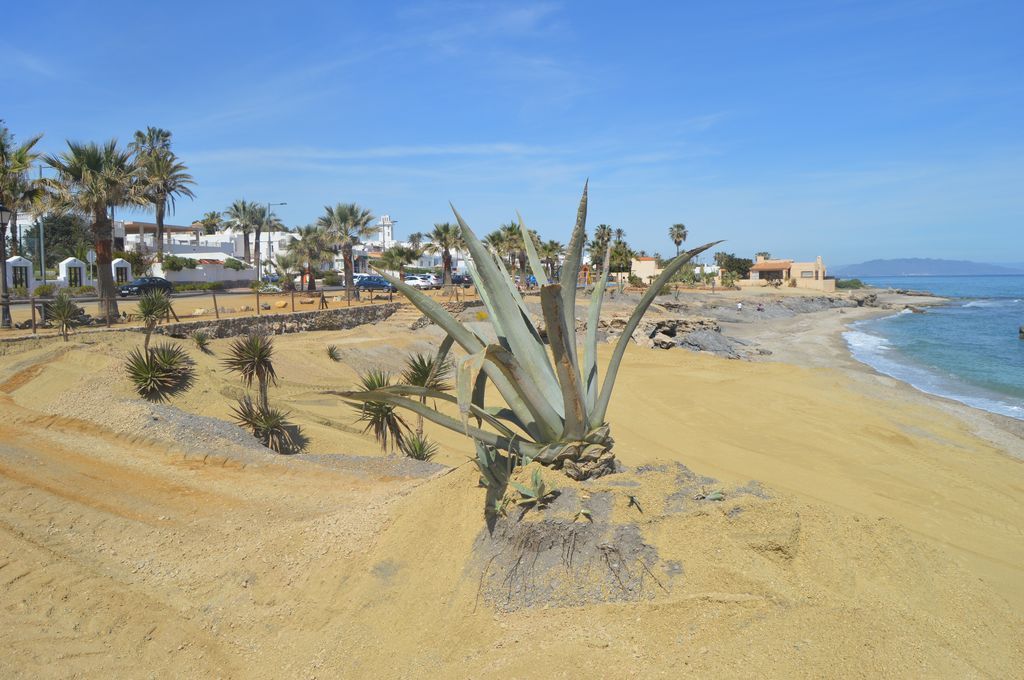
(967, 350)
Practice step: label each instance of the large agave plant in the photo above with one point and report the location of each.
(556, 405)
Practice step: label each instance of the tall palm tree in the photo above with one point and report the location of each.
(314, 246)
(678, 234)
(151, 142)
(162, 179)
(550, 252)
(288, 264)
(264, 219)
(241, 215)
(416, 239)
(17, 192)
(91, 178)
(445, 238)
(211, 221)
(599, 244)
(351, 224)
(620, 235)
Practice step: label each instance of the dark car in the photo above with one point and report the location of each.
(145, 284)
(463, 280)
(375, 283)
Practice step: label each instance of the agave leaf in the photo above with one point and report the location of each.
(531, 252)
(568, 374)
(442, 355)
(597, 416)
(548, 423)
(526, 491)
(467, 339)
(590, 342)
(518, 331)
(571, 266)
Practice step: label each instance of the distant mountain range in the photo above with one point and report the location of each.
(916, 266)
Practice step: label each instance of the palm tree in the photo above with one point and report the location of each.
(288, 264)
(416, 239)
(550, 252)
(153, 306)
(385, 421)
(252, 357)
(151, 142)
(599, 244)
(17, 192)
(396, 258)
(620, 235)
(445, 238)
(211, 222)
(264, 219)
(314, 246)
(424, 370)
(90, 179)
(241, 215)
(351, 224)
(678, 234)
(162, 179)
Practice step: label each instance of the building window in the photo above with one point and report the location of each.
(74, 276)
(20, 277)
(807, 275)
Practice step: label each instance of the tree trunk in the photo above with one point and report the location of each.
(256, 254)
(310, 278)
(264, 402)
(15, 250)
(346, 251)
(5, 293)
(102, 231)
(247, 253)
(446, 262)
(160, 208)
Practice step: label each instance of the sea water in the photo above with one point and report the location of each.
(968, 349)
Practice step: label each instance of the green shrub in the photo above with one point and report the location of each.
(159, 372)
(199, 285)
(45, 290)
(232, 263)
(850, 283)
(332, 279)
(201, 340)
(333, 353)
(174, 263)
(269, 425)
(82, 291)
(418, 447)
(19, 291)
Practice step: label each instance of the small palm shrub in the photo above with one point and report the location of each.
(153, 306)
(160, 372)
(418, 447)
(381, 418)
(270, 425)
(333, 353)
(44, 290)
(252, 357)
(201, 339)
(63, 312)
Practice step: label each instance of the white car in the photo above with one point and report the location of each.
(417, 282)
(431, 280)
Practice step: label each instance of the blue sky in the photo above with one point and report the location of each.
(853, 130)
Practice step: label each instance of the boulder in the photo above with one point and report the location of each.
(199, 311)
(306, 301)
(280, 304)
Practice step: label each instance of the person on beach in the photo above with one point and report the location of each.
(739, 306)
(760, 307)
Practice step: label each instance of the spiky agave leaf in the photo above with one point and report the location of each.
(381, 417)
(63, 312)
(252, 357)
(201, 339)
(333, 353)
(159, 372)
(418, 447)
(424, 370)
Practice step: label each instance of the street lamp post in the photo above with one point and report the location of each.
(5, 293)
(270, 243)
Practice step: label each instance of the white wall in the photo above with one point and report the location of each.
(204, 273)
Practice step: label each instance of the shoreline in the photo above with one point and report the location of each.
(815, 340)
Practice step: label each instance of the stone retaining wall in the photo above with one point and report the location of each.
(276, 324)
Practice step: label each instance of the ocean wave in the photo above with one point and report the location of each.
(991, 303)
(874, 351)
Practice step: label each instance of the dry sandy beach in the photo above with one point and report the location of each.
(883, 536)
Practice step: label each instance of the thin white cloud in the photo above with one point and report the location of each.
(23, 60)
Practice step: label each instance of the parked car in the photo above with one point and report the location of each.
(270, 288)
(464, 280)
(431, 280)
(416, 282)
(373, 283)
(143, 285)
(271, 278)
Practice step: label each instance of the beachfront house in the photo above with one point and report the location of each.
(789, 273)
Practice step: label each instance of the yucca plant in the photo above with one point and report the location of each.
(556, 406)
(156, 373)
(431, 372)
(381, 417)
(153, 306)
(268, 424)
(63, 312)
(201, 339)
(333, 353)
(418, 447)
(252, 357)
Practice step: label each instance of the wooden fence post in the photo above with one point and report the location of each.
(257, 302)
(32, 303)
(293, 301)
(216, 310)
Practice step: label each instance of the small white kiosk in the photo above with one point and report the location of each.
(122, 270)
(20, 273)
(73, 273)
